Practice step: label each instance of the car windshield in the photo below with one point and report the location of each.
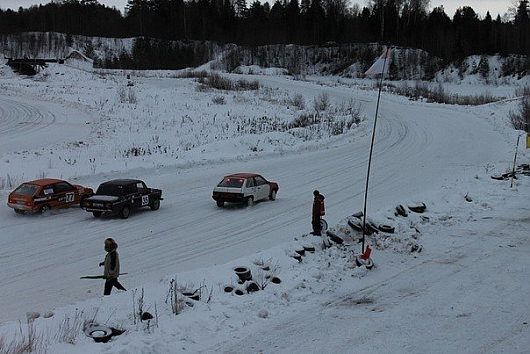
(26, 189)
(111, 189)
(232, 182)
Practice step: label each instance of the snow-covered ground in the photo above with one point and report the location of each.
(465, 291)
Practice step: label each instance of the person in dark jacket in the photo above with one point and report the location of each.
(318, 207)
(112, 266)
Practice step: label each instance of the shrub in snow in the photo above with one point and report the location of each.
(298, 101)
(191, 74)
(521, 119)
(132, 96)
(214, 81)
(70, 328)
(24, 341)
(263, 313)
(321, 102)
(31, 316)
(122, 94)
(176, 302)
(218, 100)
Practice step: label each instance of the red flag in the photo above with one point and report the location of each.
(367, 253)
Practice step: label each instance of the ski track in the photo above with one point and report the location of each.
(189, 231)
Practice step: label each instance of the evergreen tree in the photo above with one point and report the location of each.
(483, 67)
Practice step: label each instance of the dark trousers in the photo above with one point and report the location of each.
(316, 225)
(109, 283)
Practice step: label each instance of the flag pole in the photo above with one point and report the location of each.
(515, 159)
(372, 146)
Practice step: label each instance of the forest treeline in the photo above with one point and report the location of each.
(406, 23)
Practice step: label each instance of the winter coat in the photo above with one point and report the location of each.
(318, 206)
(112, 264)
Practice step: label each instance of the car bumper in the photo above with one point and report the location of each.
(102, 210)
(23, 207)
(229, 197)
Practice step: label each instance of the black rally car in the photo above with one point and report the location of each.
(120, 197)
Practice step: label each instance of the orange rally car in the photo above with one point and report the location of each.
(42, 195)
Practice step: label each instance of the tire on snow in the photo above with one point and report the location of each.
(250, 201)
(155, 205)
(386, 228)
(272, 196)
(323, 225)
(125, 212)
(417, 208)
(400, 210)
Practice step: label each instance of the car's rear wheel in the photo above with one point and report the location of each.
(272, 196)
(220, 203)
(124, 212)
(96, 214)
(155, 204)
(44, 209)
(250, 201)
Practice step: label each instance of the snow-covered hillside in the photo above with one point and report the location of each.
(347, 60)
(442, 281)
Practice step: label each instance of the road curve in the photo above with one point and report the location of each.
(419, 147)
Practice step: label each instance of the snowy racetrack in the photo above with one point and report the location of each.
(419, 147)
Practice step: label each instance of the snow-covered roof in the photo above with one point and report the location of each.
(75, 54)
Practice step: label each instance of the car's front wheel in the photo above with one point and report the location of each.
(124, 212)
(44, 209)
(155, 204)
(220, 203)
(96, 214)
(19, 211)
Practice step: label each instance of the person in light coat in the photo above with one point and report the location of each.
(111, 266)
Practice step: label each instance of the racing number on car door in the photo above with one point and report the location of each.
(69, 197)
(145, 200)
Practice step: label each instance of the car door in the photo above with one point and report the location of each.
(144, 194)
(49, 196)
(39, 198)
(250, 188)
(262, 188)
(64, 194)
(134, 195)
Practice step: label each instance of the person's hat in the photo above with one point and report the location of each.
(315, 192)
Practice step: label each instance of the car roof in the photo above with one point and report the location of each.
(118, 182)
(44, 181)
(243, 175)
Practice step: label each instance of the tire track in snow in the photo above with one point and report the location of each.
(415, 149)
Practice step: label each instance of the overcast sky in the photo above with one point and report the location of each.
(480, 6)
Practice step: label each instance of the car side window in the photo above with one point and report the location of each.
(140, 186)
(250, 182)
(260, 181)
(131, 188)
(62, 187)
(48, 190)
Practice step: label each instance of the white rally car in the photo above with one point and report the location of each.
(244, 188)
